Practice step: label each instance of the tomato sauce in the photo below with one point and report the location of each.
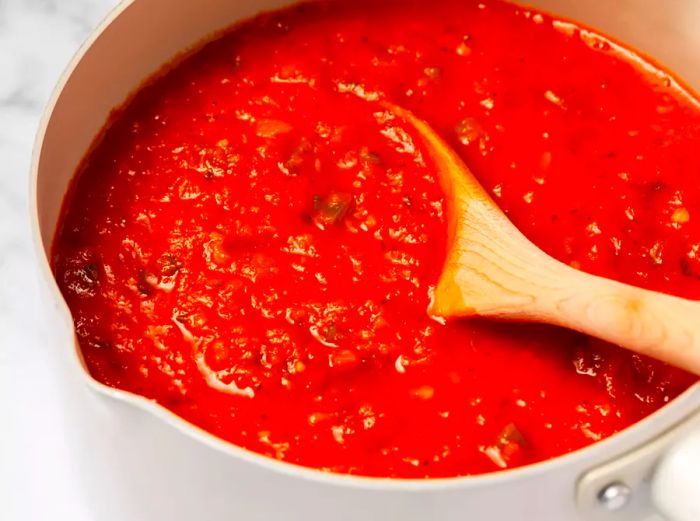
(253, 240)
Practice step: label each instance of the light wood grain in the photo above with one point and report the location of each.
(493, 270)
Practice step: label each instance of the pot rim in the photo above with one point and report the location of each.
(662, 420)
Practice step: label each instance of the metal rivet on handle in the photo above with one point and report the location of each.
(615, 496)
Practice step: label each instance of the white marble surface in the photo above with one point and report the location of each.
(37, 38)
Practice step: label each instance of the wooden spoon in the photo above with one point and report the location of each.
(493, 270)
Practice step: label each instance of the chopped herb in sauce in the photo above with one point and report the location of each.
(331, 209)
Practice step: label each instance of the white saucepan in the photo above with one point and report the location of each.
(137, 461)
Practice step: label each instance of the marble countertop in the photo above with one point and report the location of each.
(37, 39)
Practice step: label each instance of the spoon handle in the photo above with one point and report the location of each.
(647, 322)
(507, 278)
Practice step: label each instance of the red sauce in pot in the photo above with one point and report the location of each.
(252, 242)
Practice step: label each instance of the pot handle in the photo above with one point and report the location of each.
(660, 476)
(675, 487)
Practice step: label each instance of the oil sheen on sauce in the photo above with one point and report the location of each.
(253, 240)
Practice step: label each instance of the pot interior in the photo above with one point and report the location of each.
(126, 52)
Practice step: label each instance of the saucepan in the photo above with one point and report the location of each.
(137, 461)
